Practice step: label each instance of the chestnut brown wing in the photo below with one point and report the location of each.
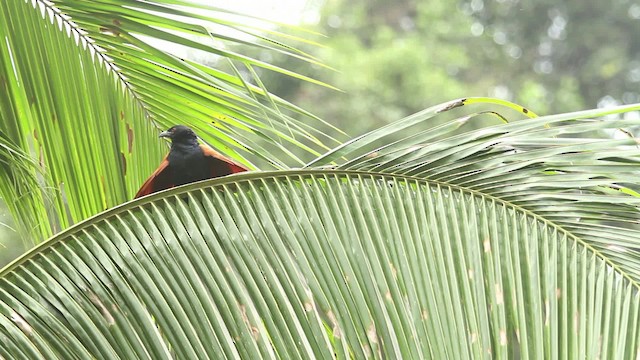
(159, 180)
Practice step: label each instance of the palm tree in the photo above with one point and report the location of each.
(515, 240)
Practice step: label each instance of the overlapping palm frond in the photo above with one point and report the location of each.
(517, 240)
(572, 170)
(511, 241)
(316, 263)
(127, 35)
(22, 177)
(87, 84)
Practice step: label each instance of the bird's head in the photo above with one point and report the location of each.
(179, 134)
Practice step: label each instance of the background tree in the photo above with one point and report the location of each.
(395, 58)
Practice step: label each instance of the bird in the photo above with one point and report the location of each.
(188, 161)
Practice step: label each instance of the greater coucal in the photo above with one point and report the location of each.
(187, 162)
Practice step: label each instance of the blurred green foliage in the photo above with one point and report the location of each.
(397, 57)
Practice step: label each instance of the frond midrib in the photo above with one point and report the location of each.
(289, 173)
(99, 51)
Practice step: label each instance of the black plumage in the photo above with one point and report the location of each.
(188, 161)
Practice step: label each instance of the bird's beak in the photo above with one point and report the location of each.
(165, 134)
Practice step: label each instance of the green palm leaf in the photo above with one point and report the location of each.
(85, 86)
(566, 169)
(317, 264)
(21, 177)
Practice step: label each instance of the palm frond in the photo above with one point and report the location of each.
(567, 169)
(85, 87)
(315, 263)
(22, 177)
(125, 35)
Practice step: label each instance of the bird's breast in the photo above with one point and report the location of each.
(188, 166)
